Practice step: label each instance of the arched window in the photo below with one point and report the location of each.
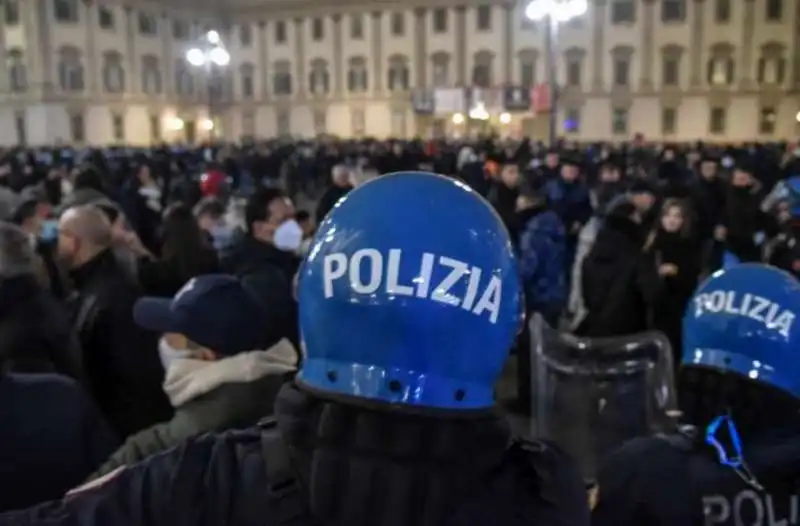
(357, 77)
(247, 74)
(721, 65)
(319, 78)
(151, 75)
(440, 62)
(398, 73)
(574, 58)
(16, 71)
(282, 78)
(70, 69)
(528, 59)
(772, 64)
(184, 81)
(482, 69)
(113, 72)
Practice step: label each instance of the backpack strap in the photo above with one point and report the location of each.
(286, 496)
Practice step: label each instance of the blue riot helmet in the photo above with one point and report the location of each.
(410, 295)
(744, 320)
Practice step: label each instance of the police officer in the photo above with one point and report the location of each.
(738, 462)
(409, 302)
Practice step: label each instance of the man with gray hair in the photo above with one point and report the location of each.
(121, 360)
(35, 331)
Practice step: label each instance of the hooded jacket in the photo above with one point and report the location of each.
(232, 393)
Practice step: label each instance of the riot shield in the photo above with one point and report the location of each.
(590, 395)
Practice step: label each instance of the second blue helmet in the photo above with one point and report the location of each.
(744, 320)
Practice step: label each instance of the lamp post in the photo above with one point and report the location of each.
(209, 54)
(555, 12)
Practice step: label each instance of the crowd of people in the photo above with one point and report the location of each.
(151, 296)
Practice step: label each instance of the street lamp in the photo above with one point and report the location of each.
(556, 12)
(210, 53)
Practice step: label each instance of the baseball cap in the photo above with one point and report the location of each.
(214, 310)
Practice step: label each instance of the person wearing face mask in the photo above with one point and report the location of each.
(265, 259)
(31, 216)
(218, 376)
(210, 215)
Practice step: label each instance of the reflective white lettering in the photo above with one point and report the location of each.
(393, 285)
(441, 293)
(334, 267)
(716, 510)
(751, 508)
(772, 519)
(375, 271)
(757, 308)
(472, 288)
(369, 269)
(761, 305)
(490, 300)
(424, 279)
(741, 500)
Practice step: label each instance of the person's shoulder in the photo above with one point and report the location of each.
(560, 488)
(639, 457)
(55, 383)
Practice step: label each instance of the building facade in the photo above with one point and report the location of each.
(101, 72)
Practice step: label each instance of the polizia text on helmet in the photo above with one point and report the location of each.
(772, 315)
(384, 274)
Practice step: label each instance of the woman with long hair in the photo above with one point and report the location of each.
(675, 251)
(185, 253)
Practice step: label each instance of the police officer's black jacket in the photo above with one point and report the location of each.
(350, 466)
(673, 481)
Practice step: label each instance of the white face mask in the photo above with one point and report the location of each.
(288, 236)
(168, 354)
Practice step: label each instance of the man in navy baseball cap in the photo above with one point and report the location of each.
(214, 311)
(219, 372)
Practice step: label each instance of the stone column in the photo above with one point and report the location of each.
(795, 46)
(300, 57)
(39, 53)
(420, 49)
(508, 43)
(461, 46)
(263, 60)
(5, 78)
(133, 63)
(168, 69)
(697, 45)
(93, 58)
(646, 53)
(377, 52)
(748, 29)
(338, 59)
(599, 23)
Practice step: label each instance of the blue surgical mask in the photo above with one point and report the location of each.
(169, 354)
(49, 231)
